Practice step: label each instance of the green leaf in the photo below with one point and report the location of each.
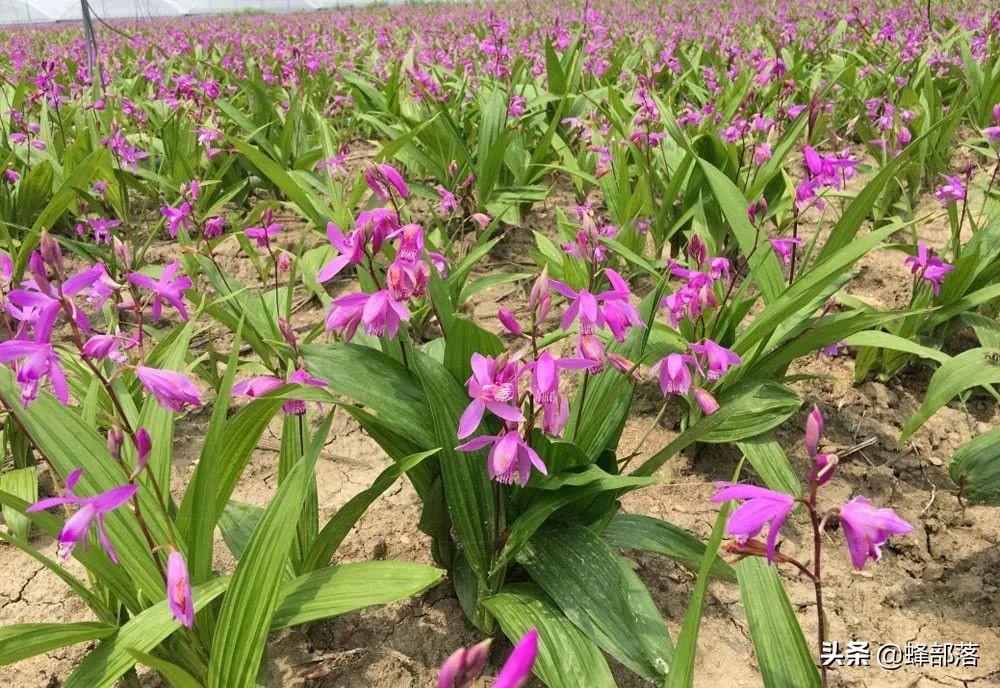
(348, 587)
(682, 670)
(308, 203)
(807, 286)
(566, 657)
(336, 529)
(754, 408)
(175, 676)
(237, 524)
(967, 370)
(885, 340)
(782, 653)
(254, 593)
(113, 657)
(467, 487)
(634, 531)
(600, 593)
(22, 483)
(846, 229)
(69, 443)
(367, 376)
(765, 270)
(975, 468)
(772, 465)
(464, 339)
(20, 641)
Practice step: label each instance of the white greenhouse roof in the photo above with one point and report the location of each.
(41, 11)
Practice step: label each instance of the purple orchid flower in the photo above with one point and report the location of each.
(716, 359)
(510, 457)
(177, 217)
(867, 528)
(952, 191)
(179, 590)
(351, 248)
(38, 363)
(928, 267)
(783, 247)
(377, 224)
(545, 389)
(383, 178)
(517, 669)
(493, 387)
(464, 665)
(762, 507)
(92, 509)
(164, 289)
(380, 313)
(675, 373)
(172, 390)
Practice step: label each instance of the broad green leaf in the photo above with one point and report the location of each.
(886, 340)
(348, 587)
(975, 468)
(336, 529)
(782, 653)
(113, 657)
(175, 676)
(600, 593)
(69, 443)
(22, 483)
(464, 339)
(237, 524)
(20, 641)
(467, 487)
(755, 408)
(255, 590)
(966, 370)
(566, 657)
(634, 531)
(765, 270)
(772, 465)
(367, 376)
(308, 203)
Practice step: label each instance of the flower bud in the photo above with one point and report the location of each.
(115, 441)
(122, 252)
(287, 332)
(706, 401)
(51, 253)
(462, 667)
(509, 321)
(143, 445)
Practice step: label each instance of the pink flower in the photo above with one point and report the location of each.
(585, 308)
(179, 589)
(762, 507)
(545, 389)
(351, 249)
(928, 266)
(783, 247)
(172, 390)
(516, 107)
(706, 401)
(214, 226)
(509, 458)
(383, 179)
(867, 528)
(464, 664)
(263, 234)
(715, 359)
(493, 387)
(92, 509)
(377, 224)
(675, 373)
(517, 669)
(448, 203)
(177, 217)
(379, 312)
(38, 363)
(952, 191)
(509, 321)
(165, 289)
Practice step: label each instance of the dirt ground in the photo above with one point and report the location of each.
(938, 585)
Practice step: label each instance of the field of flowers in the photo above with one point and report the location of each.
(580, 345)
